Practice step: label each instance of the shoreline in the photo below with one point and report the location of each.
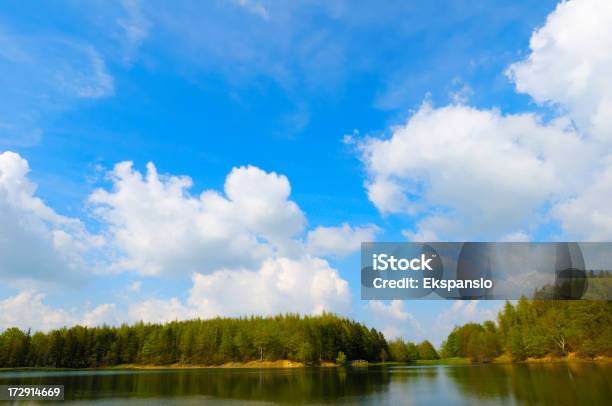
(287, 364)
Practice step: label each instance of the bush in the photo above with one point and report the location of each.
(341, 358)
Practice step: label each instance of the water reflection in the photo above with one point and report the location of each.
(536, 384)
(541, 384)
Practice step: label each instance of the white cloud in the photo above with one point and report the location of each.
(106, 313)
(160, 310)
(517, 236)
(388, 196)
(393, 311)
(27, 310)
(242, 247)
(570, 64)
(160, 228)
(339, 241)
(587, 216)
(35, 241)
(394, 321)
(569, 67)
(456, 166)
(157, 227)
(260, 198)
(306, 285)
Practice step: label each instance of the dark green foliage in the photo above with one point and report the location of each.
(401, 351)
(14, 344)
(206, 342)
(536, 328)
(398, 351)
(479, 342)
(427, 351)
(341, 358)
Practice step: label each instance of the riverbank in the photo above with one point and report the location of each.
(278, 364)
(288, 364)
(506, 359)
(571, 357)
(284, 364)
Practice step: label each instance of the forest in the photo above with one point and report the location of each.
(530, 328)
(197, 342)
(535, 329)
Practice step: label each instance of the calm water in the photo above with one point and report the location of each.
(552, 384)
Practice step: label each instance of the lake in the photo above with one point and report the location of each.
(512, 384)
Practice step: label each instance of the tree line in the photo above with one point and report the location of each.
(536, 328)
(402, 351)
(197, 342)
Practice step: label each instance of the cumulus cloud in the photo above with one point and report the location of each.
(35, 241)
(243, 247)
(161, 310)
(569, 67)
(569, 64)
(339, 241)
(394, 321)
(587, 216)
(306, 285)
(27, 310)
(159, 228)
(106, 313)
(456, 166)
(394, 310)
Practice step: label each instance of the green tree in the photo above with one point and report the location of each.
(427, 351)
(413, 351)
(398, 350)
(341, 358)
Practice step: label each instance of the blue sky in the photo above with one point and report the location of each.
(321, 93)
